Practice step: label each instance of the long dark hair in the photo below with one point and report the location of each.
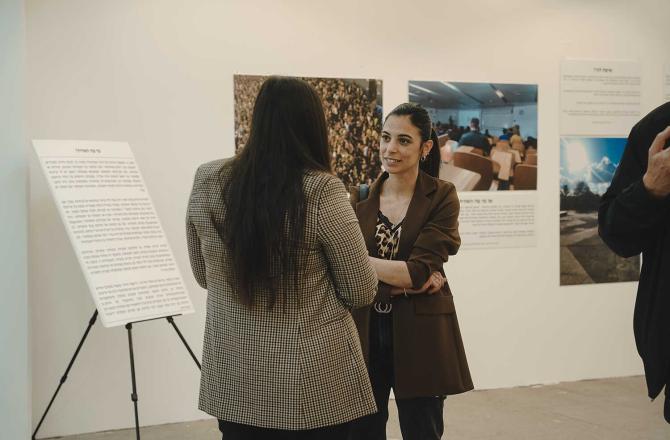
(421, 120)
(432, 163)
(265, 203)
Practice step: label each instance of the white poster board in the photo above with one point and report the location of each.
(599, 97)
(114, 230)
(600, 102)
(494, 220)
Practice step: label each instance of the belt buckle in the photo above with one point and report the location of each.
(383, 308)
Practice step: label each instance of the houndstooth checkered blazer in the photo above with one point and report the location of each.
(300, 368)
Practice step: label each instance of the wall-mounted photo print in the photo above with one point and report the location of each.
(353, 109)
(587, 168)
(487, 132)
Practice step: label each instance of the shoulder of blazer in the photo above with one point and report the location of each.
(440, 194)
(443, 187)
(315, 182)
(428, 184)
(213, 170)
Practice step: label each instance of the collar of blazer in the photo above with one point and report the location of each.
(417, 212)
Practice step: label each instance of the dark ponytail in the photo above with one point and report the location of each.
(421, 120)
(431, 165)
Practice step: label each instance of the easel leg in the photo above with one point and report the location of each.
(67, 371)
(170, 319)
(133, 396)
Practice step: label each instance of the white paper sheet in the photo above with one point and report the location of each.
(498, 219)
(599, 98)
(114, 229)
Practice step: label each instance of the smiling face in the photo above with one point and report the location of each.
(401, 147)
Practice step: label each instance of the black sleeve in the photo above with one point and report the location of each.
(628, 214)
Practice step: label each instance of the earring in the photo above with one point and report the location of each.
(423, 158)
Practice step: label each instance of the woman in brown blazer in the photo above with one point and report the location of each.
(410, 335)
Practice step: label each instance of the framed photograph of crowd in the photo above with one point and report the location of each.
(353, 109)
(487, 132)
(587, 168)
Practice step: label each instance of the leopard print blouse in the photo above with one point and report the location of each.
(387, 237)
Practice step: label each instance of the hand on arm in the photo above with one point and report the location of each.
(433, 285)
(392, 272)
(439, 238)
(396, 274)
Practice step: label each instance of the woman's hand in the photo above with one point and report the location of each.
(433, 285)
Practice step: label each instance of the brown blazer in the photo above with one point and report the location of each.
(429, 357)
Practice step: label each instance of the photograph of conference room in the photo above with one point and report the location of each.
(353, 109)
(587, 168)
(487, 132)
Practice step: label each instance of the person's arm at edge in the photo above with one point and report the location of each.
(193, 241)
(383, 289)
(628, 212)
(342, 241)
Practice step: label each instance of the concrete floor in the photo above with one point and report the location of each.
(608, 409)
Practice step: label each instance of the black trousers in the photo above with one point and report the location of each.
(420, 418)
(236, 431)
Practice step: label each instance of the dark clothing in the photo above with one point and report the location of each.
(531, 142)
(476, 139)
(420, 418)
(632, 222)
(236, 431)
(428, 354)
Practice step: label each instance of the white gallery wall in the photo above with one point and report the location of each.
(159, 74)
(15, 419)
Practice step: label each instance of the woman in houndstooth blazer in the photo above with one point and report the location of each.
(274, 240)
